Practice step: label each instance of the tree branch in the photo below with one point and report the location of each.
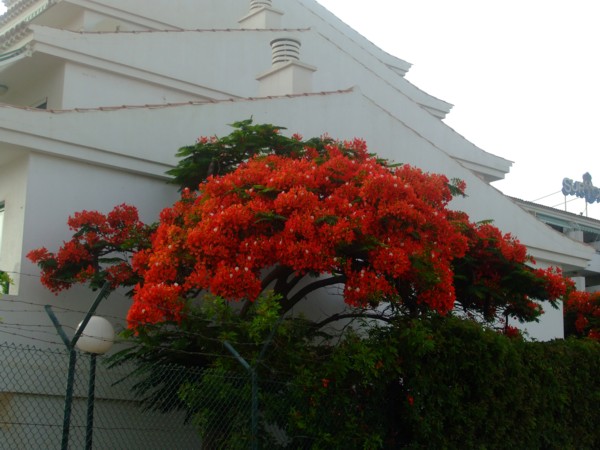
(288, 303)
(276, 274)
(245, 308)
(356, 315)
(293, 282)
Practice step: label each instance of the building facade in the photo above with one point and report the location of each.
(97, 96)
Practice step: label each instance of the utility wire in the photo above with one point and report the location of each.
(545, 196)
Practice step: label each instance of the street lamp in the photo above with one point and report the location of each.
(97, 337)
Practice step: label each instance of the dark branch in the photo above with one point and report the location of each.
(294, 281)
(277, 273)
(288, 303)
(245, 308)
(356, 315)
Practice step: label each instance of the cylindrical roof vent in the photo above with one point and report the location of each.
(285, 50)
(255, 4)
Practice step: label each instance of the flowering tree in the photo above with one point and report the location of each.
(337, 214)
(271, 213)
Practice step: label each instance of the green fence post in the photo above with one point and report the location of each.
(254, 381)
(70, 344)
(89, 429)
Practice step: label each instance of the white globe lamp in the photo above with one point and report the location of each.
(98, 336)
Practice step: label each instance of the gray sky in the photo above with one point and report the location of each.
(524, 76)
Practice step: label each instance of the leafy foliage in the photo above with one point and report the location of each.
(409, 384)
(494, 279)
(212, 384)
(403, 385)
(213, 156)
(5, 282)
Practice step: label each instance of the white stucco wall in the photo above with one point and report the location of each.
(89, 87)
(36, 87)
(187, 14)
(95, 21)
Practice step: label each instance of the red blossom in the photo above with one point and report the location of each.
(585, 307)
(99, 250)
(512, 332)
(331, 211)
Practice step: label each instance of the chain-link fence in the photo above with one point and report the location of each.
(242, 412)
(32, 403)
(138, 407)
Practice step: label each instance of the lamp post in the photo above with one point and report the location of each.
(96, 338)
(70, 344)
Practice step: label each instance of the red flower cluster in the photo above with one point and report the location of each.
(337, 211)
(586, 308)
(99, 250)
(495, 278)
(512, 332)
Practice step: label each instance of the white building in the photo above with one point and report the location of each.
(97, 95)
(578, 227)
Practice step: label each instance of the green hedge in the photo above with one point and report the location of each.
(446, 383)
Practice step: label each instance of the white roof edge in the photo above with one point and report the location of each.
(490, 166)
(352, 34)
(489, 174)
(579, 260)
(435, 106)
